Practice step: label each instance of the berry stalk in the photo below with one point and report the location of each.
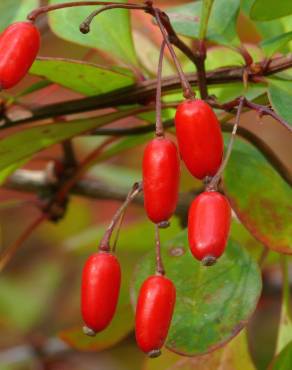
(105, 241)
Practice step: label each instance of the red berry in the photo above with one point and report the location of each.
(199, 138)
(208, 226)
(101, 280)
(161, 172)
(19, 45)
(154, 313)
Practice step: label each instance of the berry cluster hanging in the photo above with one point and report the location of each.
(200, 147)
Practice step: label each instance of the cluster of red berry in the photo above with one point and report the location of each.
(201, 148)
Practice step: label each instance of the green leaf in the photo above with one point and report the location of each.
(205, 15)
(240, 234)
(221, 56)
(186, 18)
(285, 324)
(233, 356)
(24, 143)
(228, 92)
(148, 54)
(209, 307)
(280, 95)
(33, 88)
(85, 78)
(120, 327)
(274, 44)
(110, 31)
(260, 197)
(15, 10)
(270, 28)
(265, 10)
(284, 360)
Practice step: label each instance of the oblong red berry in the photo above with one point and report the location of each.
(199, 138)
(161, 173)
(19, 45)
(101, 279)
(208, 226)
(154, 313)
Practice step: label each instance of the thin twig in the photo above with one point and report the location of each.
(69, 154)
(56, 205)
(24, 181)
(187, 90)
(117, 235)
(143, 93)
(266, 111)
(85, 25)
(159, 126)
(260, 109)
(32, 16)
(159, 263)
(105, 241)
(213, 185)
(201, 53)
(80, 170)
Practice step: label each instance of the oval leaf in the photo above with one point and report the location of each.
(110, 31)
(85, 78)
(186, 19)
(260, 197)
(233, 356)
(15, 10)
(280, 96)
(274, 44)
(210, 308)
(265, 10)
(24, 143)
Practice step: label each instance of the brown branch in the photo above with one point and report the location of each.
(264, 148)
(255, 140)
(25, 181)
(262, 110)
(145, 92)
(69, 154)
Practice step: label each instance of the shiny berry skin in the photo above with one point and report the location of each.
(208, 226)
(199, 138)
(154, 313)
(101, 279)
(161, 173)
(19, 45)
